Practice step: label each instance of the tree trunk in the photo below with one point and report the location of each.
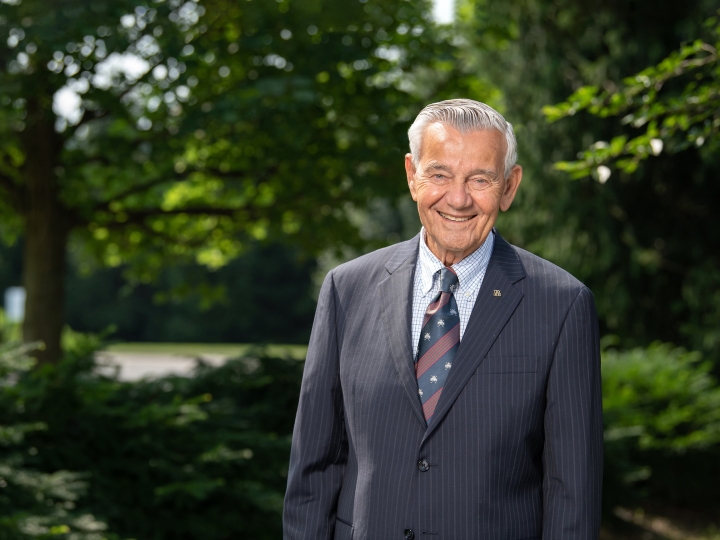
(46, 235)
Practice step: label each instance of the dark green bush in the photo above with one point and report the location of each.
(33, 503)
(177, 458)
(662, 427)
(205, 457)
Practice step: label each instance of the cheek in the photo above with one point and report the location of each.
(427, 194)
(488, 202)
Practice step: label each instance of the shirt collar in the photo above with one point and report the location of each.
(470, 270)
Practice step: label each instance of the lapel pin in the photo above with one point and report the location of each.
(497, 292)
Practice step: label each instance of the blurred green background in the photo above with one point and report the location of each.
(177, 177)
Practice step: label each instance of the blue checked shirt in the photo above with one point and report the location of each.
(470, 271)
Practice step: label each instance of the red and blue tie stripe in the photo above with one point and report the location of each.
(439, 341)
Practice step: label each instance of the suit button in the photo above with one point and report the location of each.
(423, 465)
(409, 534)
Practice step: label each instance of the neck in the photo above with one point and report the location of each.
(447, 257)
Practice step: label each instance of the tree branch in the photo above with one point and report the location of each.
(138, 219)
(170, 240)
(133, 190)
(140, 188)
(139, 216)
(196, 211)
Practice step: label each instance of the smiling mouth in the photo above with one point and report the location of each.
(456, 218)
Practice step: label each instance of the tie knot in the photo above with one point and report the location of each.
(448, 280)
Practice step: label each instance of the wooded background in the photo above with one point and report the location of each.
(188, 171)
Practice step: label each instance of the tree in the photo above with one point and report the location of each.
(643, 242)
(155, 132)
(673, 106)
(672, 120)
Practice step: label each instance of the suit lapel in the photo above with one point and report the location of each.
(395, 295)
(490, 314)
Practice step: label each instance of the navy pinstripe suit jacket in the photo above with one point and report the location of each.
(515, 445)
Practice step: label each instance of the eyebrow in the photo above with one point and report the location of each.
(440, 167)
(487, 172)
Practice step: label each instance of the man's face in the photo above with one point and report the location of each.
(459, 186)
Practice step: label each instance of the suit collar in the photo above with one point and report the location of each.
(402, 252)
(489, 316)
(503, 255)
(507, 260)
(394, 296)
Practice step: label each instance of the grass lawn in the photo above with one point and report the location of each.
(194, 349)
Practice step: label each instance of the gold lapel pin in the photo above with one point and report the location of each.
(497, 292)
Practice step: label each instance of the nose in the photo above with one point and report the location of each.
(458, 195)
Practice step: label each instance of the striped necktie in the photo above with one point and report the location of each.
(439, 340)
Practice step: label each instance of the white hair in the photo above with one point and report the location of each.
(465, 115)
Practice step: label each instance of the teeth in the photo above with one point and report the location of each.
(452, 218)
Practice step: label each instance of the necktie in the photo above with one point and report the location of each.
(439, 340)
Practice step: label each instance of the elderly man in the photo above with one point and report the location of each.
(452, 383)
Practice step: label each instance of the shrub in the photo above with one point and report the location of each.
(662, 414)
(203, 457)
(34, 504)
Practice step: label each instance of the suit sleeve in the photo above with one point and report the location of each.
(319, 444)
(572, 458)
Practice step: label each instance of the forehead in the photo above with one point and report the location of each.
(443, 142)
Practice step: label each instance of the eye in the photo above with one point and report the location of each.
(479, 183)
(438, 178)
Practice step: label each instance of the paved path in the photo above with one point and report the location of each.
(136, 365)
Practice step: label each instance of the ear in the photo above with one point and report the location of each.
(511, 186)
(410, 172)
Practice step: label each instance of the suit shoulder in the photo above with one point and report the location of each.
(541, 272)
(372, 266)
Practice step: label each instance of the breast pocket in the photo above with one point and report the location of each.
(343, 530)
(510, 364)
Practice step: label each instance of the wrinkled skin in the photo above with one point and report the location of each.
(459, 186)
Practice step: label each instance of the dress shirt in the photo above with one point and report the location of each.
(470, 272)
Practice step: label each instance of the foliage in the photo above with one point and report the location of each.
(223, 119)
(671, 120)
(661, 408)
(646, 242)
(262, 296)
(206, 456)
(152, 133)
(664, 396)
(174, 458)
(34, 504)
(176, 308)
